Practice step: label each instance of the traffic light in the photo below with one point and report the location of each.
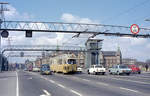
(28, 33)
(4, 33)
(21, 54)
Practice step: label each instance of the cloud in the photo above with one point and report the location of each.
(67, 17)
(13, 14)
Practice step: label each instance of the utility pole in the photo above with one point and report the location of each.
(2, 18)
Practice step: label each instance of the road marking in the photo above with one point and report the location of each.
(86, 80)
(44, 78)
(75, 92)
(102, 83)
(52, 81)
(17, 85)
(30, 78)
(46, 93)
(131, 81)
(128, 89)
(61, 85)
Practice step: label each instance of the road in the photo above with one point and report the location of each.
(23, 83)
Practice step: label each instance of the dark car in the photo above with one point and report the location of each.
(135, 69)
(45, 69)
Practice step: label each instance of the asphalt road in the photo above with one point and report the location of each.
(23, 83)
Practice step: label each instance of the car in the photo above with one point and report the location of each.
(119, 70)
(25, 69)
(45, 69)
(79, 69)
(135, 69)
(36, 69)
(96, 69)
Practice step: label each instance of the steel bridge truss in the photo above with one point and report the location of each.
(15, 55)
(42, 48)
(80, 28)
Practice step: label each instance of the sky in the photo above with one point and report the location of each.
(110, 12)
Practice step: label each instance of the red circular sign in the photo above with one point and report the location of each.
(134, 29)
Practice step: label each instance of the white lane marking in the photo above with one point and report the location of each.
(131, 81)
(52, 81)
(17, 85)
(30, 78)
(61, 85)
(44, 78)
(128, 89)
(46, 93)
(102, 83)
(86, 80)
(75, 92)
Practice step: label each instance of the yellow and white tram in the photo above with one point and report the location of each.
(64, 63)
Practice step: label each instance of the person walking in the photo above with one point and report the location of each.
(146, 67)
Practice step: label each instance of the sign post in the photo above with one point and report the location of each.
(134, 29)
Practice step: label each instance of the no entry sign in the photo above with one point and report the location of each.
(134, 29)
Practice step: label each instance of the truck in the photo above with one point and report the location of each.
(96, 69)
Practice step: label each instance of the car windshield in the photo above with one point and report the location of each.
(123, 67)
(98, 66)
(45, 67)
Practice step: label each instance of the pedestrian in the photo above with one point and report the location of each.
(146, 67)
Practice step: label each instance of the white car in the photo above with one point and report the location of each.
(36, 69)
(97, 69)
(79, 69)
(120, 69)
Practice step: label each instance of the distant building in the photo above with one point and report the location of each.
(110, 58)
(3, 63)
(45, 60)
(80, 59)
(129, 61)
(38, 62)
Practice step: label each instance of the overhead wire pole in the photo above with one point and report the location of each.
(2, 18)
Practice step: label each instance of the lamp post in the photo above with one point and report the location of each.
(2, 9)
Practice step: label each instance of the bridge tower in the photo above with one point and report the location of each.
(93, 47)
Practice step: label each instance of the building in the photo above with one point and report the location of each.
(92, 55)
(38, 62)
(129, 61)
(45, 60)
(3, 63)
(110, 58)
(80, 59)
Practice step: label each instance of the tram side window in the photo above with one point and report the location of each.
(71, 61)
(60, 61)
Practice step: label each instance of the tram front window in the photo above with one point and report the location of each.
(71, 61)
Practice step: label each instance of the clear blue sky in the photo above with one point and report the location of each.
(104, 11)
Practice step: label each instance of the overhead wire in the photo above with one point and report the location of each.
(127, 11)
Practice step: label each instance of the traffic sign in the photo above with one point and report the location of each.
(134, 29)
(4, 34)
